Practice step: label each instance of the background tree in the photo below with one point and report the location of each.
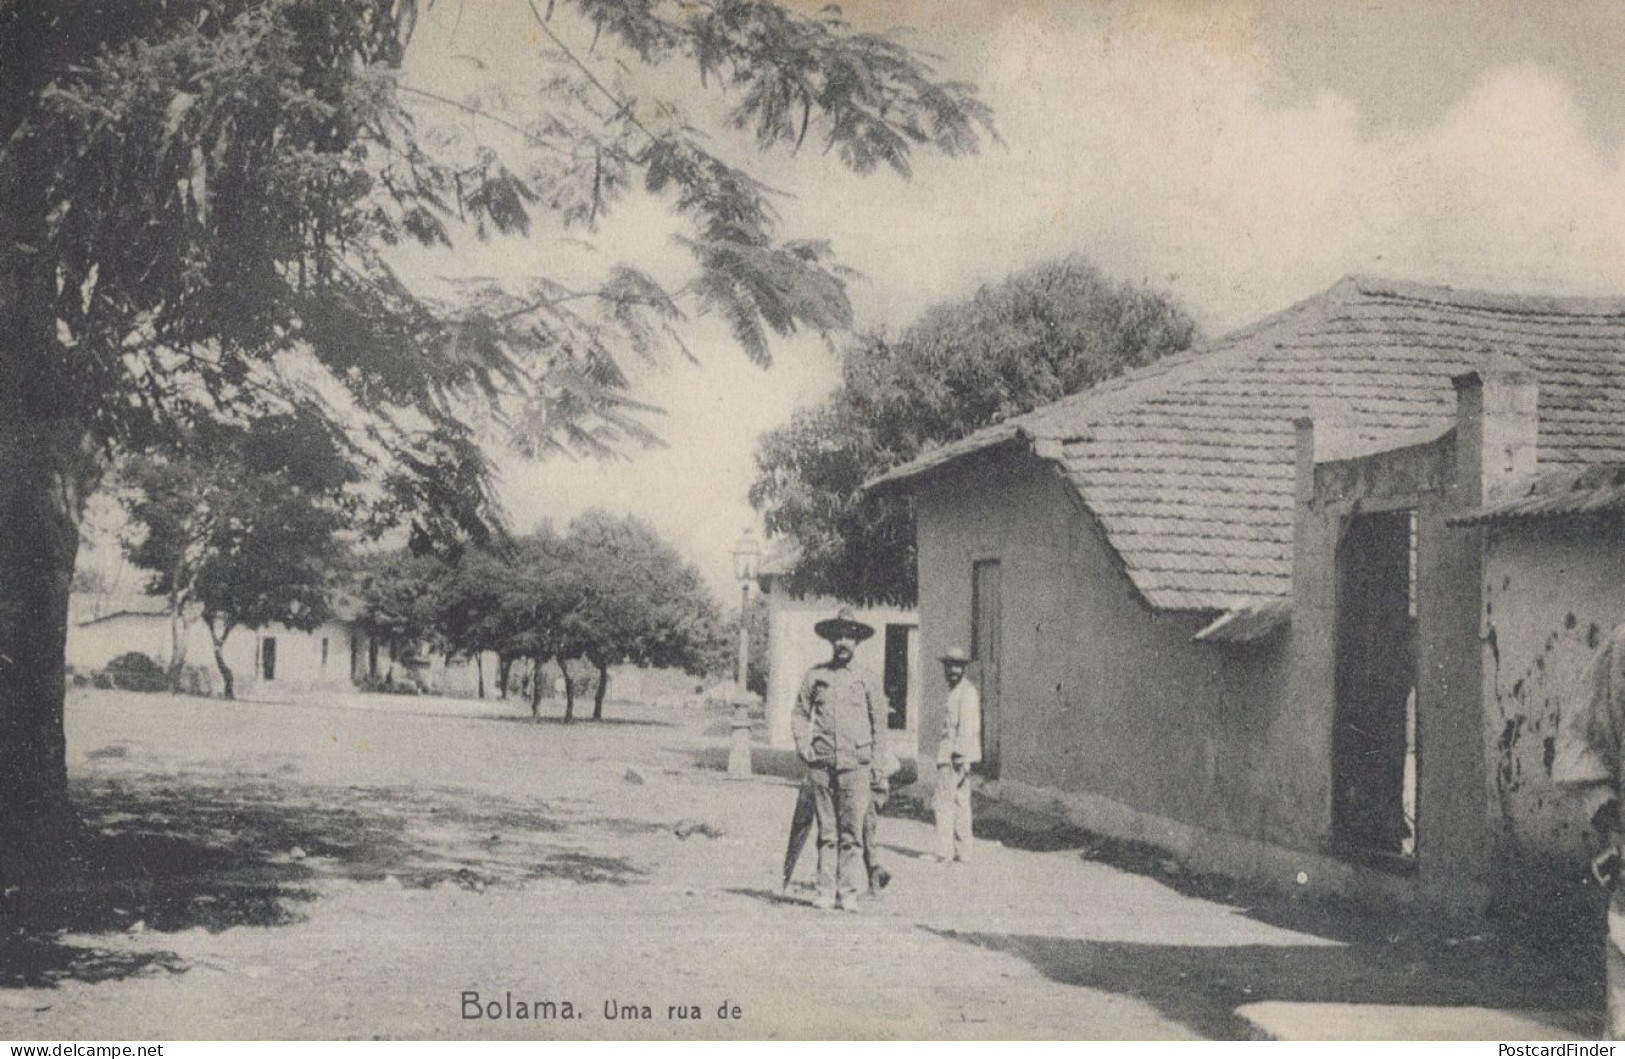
(1041, 334)
(402, 595)
(641, 602)
(469, 610)
(541, 592)
(246, 525)
(200, 197)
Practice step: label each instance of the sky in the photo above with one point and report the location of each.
(1239, 156)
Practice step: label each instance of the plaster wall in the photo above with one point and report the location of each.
(1552, 592)
(1111, 710)
(1450, 861)
(92, 645)
(1101, 695)
(299, 663)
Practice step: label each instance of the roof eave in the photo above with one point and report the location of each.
(939, 458)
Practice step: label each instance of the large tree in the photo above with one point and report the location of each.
(401, 596)
(540, 609)
(640, 601)
(199, 197)
(1043, 333)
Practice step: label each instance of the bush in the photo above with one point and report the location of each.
(386, 686)
(135, 671)
(196, 680)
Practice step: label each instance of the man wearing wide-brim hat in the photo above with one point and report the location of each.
(837, 725)
(960, 748)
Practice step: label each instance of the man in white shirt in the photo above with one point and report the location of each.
(960, 748)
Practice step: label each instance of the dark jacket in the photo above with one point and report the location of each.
(836, 721)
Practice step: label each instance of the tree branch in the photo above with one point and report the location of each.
(622, 106)
(479, 112)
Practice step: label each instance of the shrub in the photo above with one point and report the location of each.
(135, 671)
(196, 680)
(385, 686)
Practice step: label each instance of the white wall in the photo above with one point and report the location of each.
(299, 664)
(793, 648)
(92, 646)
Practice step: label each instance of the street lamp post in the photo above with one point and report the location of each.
(747, 556)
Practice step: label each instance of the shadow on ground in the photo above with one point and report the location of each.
(785, 765)
(1202, 986)
(556, 719)
(164, 854)
(1386, 957)
(1572, 926)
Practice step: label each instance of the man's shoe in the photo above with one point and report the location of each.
(879, 881)
(824, 901)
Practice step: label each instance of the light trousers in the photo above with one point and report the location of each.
(952, 805)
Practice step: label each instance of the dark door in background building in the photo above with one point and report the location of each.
(986, 647)
(1374, 723)
(894, 680)
(268, 658)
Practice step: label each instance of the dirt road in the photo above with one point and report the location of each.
(364, 867)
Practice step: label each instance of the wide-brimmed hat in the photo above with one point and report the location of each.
(843, 624)
(955, 656)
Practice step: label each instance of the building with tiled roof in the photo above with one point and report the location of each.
(1188, 463)
(1234, 603)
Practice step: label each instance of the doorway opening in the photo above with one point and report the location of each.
(986, 648)
(1375, 761)
(268, 658)
(894, 680)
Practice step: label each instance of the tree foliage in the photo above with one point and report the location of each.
(1043, 333)
(641, 602)
(247, 525)
(200, 201)
(609, 591)
(223, 180)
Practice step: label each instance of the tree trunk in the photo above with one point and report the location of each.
(598, 695)
(479, 672)
(536, 688)
(179, 634)
(49, 467)
(39, 540)
(569, 693)
(504, 668)
(227, 688)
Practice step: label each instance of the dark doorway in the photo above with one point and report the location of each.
(894, 680)
(268, 657)
(1374, 731)
(986, 647)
